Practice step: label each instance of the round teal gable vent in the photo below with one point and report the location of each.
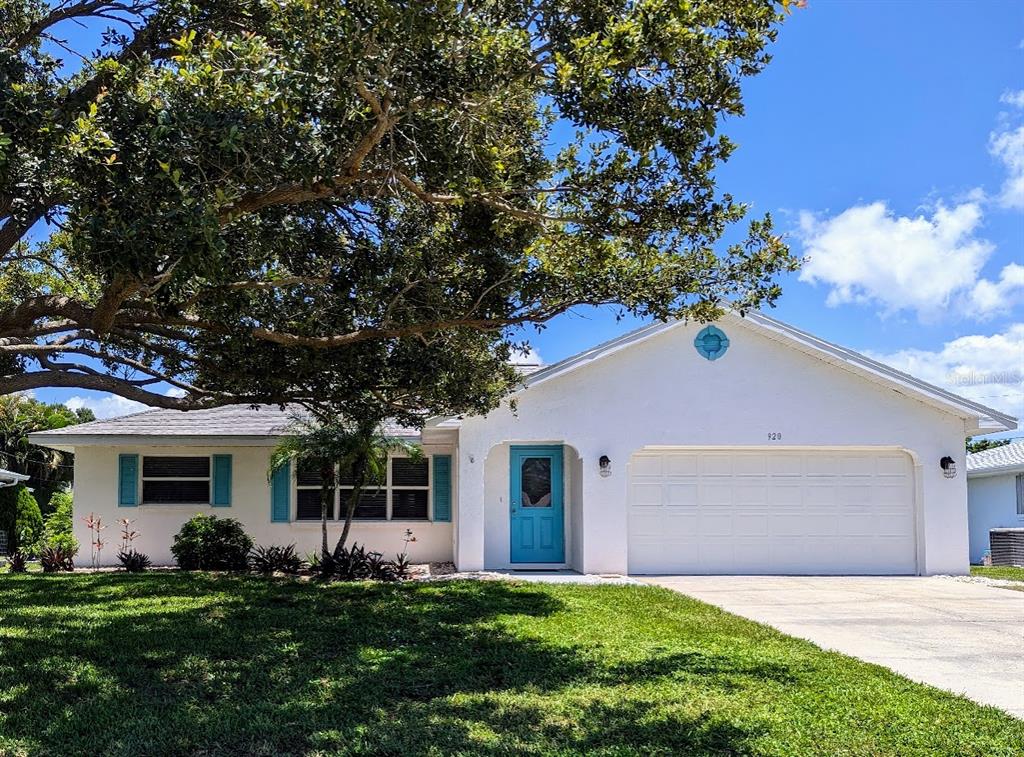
(711, 342)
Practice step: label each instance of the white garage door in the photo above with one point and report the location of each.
(786, 512)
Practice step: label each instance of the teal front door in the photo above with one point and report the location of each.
(536, 505)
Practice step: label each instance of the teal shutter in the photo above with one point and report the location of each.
(443, 488)
(281, 494)
(221, 481)
(127, 480)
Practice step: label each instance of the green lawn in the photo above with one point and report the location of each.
(1002, 573)
(176, 663)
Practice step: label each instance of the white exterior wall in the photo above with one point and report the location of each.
(991, 503)
(96, 476)
(662, 392)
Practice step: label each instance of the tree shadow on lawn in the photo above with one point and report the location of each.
(204, 664)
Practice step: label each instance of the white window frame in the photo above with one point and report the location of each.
(1019, 481)
(428, 488)
(386, 489)
(208, 479)
(314, 487)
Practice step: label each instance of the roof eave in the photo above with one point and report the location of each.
(1001, 470)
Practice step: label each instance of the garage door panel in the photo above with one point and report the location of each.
(808, 512)
(646, 494)
(680, 465)
(646, 465)
(820, 524)
(785, 465)
(715, 524)
(751, 492)
(892, 465)
(716, 464)
(681, 494)
(752, 524)
(712, 492)
(749, 465)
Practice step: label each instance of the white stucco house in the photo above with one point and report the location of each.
(995, 494)
(748, 446)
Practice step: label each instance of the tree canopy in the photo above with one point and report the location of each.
(271, 201)
(47, 469)
(980, 445)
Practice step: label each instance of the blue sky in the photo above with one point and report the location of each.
(887, 140)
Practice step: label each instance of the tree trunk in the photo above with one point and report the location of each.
(358, 481)
(326, 500)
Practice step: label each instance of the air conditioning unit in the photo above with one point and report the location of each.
(1007, 546)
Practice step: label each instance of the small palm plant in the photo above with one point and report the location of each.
(359, 448)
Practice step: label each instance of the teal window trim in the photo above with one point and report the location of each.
(281, 494)
(128, 480)
(220, 488)
(442, 488)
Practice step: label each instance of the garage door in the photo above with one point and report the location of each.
(753, 511)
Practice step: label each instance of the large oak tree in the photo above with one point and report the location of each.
(319, 200)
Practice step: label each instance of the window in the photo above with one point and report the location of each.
(373, 499)
(307, 498)
(410, 491)
(1020, 494)
(404, 494)
(175, 480)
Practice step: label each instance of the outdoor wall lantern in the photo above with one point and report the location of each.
(948, 466)
(605, 464)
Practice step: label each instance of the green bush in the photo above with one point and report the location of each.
(207, 542)
(20, 518)
(58, 530)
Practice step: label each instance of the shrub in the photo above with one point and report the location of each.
(58, 528)
(17, 562)
(20, 517)
(133, 561)
(356, 564)
(56, 560)
(275, 559)
(207, 542)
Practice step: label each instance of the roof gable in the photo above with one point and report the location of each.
(978, 417)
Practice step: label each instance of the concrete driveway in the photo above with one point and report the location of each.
(963, 637)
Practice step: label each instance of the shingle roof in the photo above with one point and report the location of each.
(1008, 456)
(230, 420)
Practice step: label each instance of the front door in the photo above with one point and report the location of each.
(536, 505)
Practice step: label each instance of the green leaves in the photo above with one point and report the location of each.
(371, 198)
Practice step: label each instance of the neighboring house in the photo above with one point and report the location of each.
(995, 494)
(744, 447)
(8, 478)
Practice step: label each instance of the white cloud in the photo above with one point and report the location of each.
(105, 406)
(990, 297)
(529, 356)
(175, 391)
(867, 254)
(987, 369)
(1007, 145)
(1014, 98)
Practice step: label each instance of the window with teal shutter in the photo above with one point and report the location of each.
(221, 481)
(280, 494)
(127, 480)
(442, 488)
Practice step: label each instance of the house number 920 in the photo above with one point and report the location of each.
(774, 436)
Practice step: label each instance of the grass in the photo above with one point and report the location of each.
(179, 663)
(1003, 573)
